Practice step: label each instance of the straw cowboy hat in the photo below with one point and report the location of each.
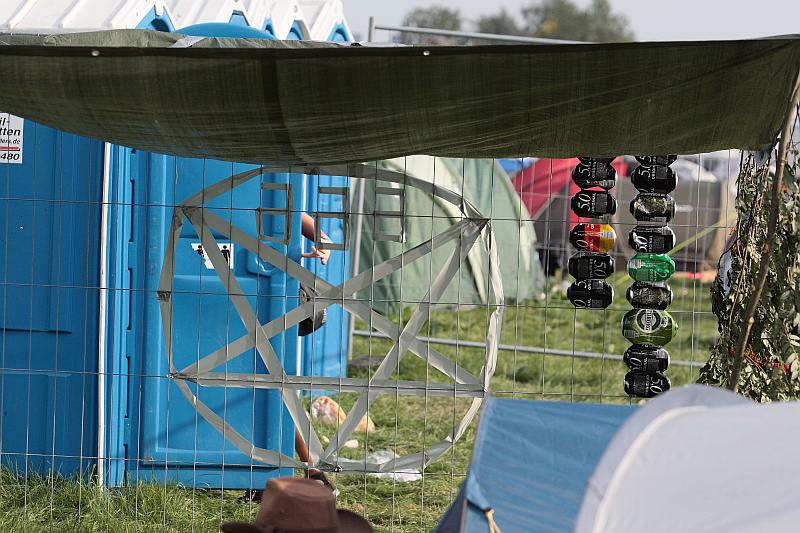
(298, 505)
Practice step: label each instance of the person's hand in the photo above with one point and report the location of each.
(322, 255)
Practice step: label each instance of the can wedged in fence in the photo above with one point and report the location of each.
(653, 207)
(591, 293)
(648, 325)
(660, 179)
(646, 357)
(593, 204)
(651, 267)
(649, 295)
(651, 239)
(592, 237)
(595, 173)
(645, 384)
(590, 265)
(656, 160)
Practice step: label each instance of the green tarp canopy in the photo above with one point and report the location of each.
(263, 101)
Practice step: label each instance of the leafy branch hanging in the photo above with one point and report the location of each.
(757, 299)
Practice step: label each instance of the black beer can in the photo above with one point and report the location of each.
(593, 204)
(591, 293)
(651, 239)
(597, 173)
(653, 207)
(656, 160)
(590, 265)
(646, 357)
(662, 179)
(645, 384)
(645, 295)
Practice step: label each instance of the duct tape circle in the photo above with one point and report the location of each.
(473, 228)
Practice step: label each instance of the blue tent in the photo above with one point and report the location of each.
(530, 462)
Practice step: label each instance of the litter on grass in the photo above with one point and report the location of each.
(403, 474)
(326, 410)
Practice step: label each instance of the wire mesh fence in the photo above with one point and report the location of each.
(152, 370)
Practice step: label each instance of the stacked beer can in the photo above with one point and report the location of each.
(592, 264)
(648, 325)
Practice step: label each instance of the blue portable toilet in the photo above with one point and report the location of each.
(158, 433)
(170, 439)
(93, 338)
(50, 241)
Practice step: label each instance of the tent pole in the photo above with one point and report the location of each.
(772, 224)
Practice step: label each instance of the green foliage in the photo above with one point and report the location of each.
(770, 369)
(551, 19)
(561, 19)
(434, 17)
(500, 24)
(438, 17)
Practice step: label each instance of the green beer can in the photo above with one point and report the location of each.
(651, 267)
(653, 207)
(648, 325)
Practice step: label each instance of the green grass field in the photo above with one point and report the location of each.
(405, 424)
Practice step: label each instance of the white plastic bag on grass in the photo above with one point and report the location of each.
(384, 456)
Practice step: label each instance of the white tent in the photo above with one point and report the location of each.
(698, 459)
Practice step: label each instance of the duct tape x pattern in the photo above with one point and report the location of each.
(463, 235)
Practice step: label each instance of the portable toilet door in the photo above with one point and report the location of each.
(50, 238)
(324, 353)
(158, 433)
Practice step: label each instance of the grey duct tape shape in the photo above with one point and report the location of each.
(465, 234)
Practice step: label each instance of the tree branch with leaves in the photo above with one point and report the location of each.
(757, 299)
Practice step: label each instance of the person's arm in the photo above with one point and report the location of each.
(308, 233)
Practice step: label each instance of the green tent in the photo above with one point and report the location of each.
(482, 182)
